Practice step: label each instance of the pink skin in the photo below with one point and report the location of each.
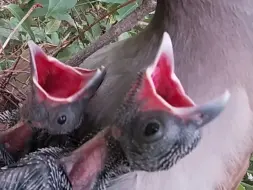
(15, 138)
(85, 163)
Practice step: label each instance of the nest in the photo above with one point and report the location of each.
(15, 81)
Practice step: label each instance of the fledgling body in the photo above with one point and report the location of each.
(55, 107)
(213, 48)
(57, 168)
(152, 133)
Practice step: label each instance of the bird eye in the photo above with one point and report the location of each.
(62, 119)
(151, 128)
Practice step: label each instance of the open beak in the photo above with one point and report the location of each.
(85, 163)
(162, 90)
(16, 137)
(58, 83)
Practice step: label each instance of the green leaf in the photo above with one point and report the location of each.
(14, 22)
(52, 26)
(55, 38)
(65, 17)
(24, 1)
(82, 5)
(106, 25)
(96, 30)
(89, 36)
(57, 7)
(113, 1)
(68, 52)
(5, 32)
(241, 187)
(245, 186)
(41, 11)
(19, 14)
(124, 36)
(6, 29)
(5, 64)
(39, 34)
(123, 12)
(49, 40)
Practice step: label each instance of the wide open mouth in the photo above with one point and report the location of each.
(165, 91)
(166, 86)
(56, 81)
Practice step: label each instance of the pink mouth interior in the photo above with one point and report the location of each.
(167, 88)
(56, 79)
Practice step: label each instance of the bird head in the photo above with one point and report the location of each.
(158, 123)
(59, 93)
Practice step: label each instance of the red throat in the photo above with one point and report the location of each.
(56, 79)
(168, 88)
(161, 88)
(57, 83)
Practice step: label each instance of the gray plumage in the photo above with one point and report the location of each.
(116, 165)
(207, 165)
(120, 73)
(213, 45)
(9, 118)
(143, 146)
(39, 170)
(50, 119)
(59, 167)
(5, 157)
(60, 107)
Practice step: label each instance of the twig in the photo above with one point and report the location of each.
(24, 59)
(3, 85)
(78, 31)
(16, 51)
(23, 83)
(9, 99)
(17, 89)
(15, 71)
(19, 24)
(90, 26)
(1, 47)
(124, 25)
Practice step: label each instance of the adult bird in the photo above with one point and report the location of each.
(213, 49)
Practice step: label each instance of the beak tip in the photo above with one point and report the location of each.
(227, 95)
(101, 71)
(223, 100)
(165, 48)
(216, 107)
(208, 111)
(33, 47)
(31, 44)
